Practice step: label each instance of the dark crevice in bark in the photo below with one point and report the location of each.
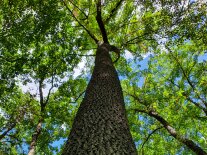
(101, 126)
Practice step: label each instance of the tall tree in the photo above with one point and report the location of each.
(41, 40)
(100, 126)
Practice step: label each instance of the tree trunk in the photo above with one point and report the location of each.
(38, 129)
(100, 126)
(35, 137)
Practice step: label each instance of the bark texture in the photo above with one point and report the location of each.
(35, 137)
(100, 126)
(38, 129)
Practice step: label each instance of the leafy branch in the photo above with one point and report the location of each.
(86, 16)
(150, 136)
(89, 33)
(172, 131)
(186, 76)
(114, 11)
(78, 97)
(189, 143)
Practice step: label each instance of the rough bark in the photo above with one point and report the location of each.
(35, 137)
(100, 126)
(38, 129)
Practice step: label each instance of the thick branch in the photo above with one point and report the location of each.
(35, 137)
(38, 129)
(189, 143)
(89, 33)
(100, 22)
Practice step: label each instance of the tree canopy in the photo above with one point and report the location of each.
(47, 50)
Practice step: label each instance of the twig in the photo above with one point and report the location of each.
(150, 135)
(78, 9)
(89, 33)
(186, 76)
(84, 55)
(78, 96)
(114, 11)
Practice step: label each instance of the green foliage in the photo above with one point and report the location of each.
(172, 86)
(43, 41)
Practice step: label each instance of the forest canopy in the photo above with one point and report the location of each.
(47, 54)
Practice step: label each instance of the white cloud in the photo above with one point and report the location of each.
(128, 55)
(63, 126)
(146, 55)
(77, 71)
(2, 113)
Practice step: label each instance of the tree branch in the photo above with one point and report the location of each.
(188, 97)
(114, 11)
(8, 129)
(150, 135)
(35, 137)
(79, 9)
(189, 143)
(136, 38)
(89, 33)
(186, 76)
(78, 96)
(48, 95)
(41, 93)
(100, 22)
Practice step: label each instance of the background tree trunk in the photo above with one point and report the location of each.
(100, 126)
(35, 137)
